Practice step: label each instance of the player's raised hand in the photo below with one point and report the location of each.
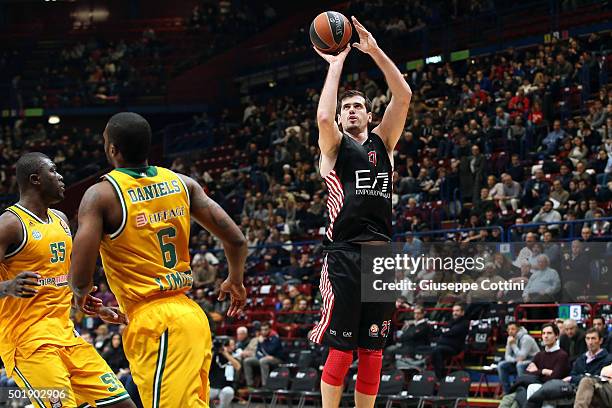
(237, 293)
(22, 286)
(367, 43)
(334, 59)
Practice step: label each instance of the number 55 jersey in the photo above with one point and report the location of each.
(38, 343)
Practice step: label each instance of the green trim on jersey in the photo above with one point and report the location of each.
(139, 172)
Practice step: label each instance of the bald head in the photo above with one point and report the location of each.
(570, 327)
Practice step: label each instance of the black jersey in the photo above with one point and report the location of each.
(359, 186)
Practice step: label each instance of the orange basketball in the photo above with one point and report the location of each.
(330, 32)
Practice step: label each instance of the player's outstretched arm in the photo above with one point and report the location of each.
(329, 134)
(392, 125)
(211, 216)
(86, 244)
(24, 284)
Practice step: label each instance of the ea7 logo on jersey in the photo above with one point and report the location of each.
(372, 157)
(371, 183)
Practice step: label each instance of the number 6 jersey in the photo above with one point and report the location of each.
(148, 255)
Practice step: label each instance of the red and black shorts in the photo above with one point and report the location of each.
(346, 323)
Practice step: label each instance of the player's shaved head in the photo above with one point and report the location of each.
(130, 133)
(28, 164)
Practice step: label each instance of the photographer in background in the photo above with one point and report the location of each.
(224, 369)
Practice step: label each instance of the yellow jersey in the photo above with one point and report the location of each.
(148, 255)
(28, 323)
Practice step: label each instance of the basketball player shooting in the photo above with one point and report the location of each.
(357, 167)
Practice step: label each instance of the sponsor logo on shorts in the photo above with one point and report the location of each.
(55, 402)
(36, 235)
(332, 332)
(374, 330)
(347, 334)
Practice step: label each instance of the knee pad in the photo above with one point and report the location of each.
(336, 366)
(368, 371)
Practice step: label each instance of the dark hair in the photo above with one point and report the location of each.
(265, 324)
(460, 305)
(351, 93)
(600, 318)
(553, 326)
(513, 323)
(27, 165)
(593, 330)
(131, 134)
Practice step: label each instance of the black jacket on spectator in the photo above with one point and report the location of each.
(575, 346)
(455, 336)
(417, 335)
(217, 372)
(580, 367)
(517, 172)
(116, 359)
(607, 344)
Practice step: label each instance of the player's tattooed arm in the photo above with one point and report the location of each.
(87, 243)
(211, 216)
(24, 284)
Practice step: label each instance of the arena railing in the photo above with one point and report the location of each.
(450, 231)
(597, 311)
(520, 312)
(505, 235)
(572, 225)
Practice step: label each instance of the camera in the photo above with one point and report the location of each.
(219, 342)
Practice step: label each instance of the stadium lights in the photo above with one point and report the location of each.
(433, 60)
(54, 120)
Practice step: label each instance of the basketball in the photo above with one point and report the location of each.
(330, 32)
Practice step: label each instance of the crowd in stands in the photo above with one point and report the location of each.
(491, 141)
(229, 22)
(99, 72)
(77, 152)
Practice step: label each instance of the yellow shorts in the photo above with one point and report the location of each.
(169, 347)
(77, 375)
